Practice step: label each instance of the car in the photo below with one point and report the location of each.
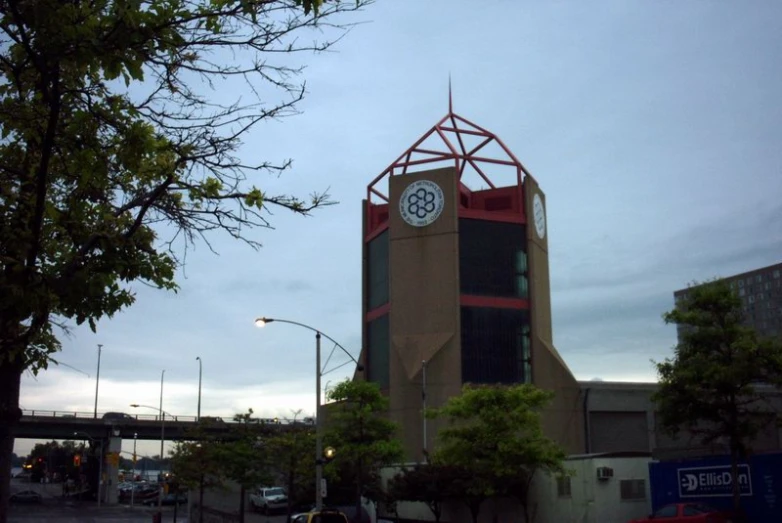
(325, 515)
(266, 499)
(25, 496)
(168, 499)
(118, 416)
(687, 513)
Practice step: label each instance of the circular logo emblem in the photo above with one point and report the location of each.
(421, 203)
(539, 215)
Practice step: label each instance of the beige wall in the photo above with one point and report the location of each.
(425, 319)
(425, 314)
(562, 420)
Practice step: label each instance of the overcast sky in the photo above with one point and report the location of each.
(654, 128)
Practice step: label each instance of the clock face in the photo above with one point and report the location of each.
(539, 215)
(421, 203)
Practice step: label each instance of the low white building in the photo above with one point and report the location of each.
(601, 488)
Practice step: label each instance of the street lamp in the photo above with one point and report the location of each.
(200, 369)
(100, 463)
(261, 322)
(162, 437)
(133, 487)
(97, 381)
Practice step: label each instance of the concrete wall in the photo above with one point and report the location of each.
(425, 311)
(590, 500)
(621, 417)
(562, 420)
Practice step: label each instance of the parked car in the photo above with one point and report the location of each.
(25, 496)
(266, 499)
(168, 499)
(326, 515)
(687, 513)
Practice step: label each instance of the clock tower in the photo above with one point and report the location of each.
(456, 282)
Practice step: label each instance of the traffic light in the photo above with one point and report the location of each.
(77, 460)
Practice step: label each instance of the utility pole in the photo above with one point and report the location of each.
(97, 382)
(423, 401)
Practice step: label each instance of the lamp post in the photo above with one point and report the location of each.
(100, 462)
(200, 369)
(97, 381)
(261, 322)
(133, 488)
(162, 437)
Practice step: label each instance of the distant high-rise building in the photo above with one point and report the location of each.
(760, 291)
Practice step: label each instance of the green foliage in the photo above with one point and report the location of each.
(243, 456)
(197, 463)
(495, 442)
(430, 483)
(291, 456)
(56, 457)
(716, 384)
(105, 137)
(111, 138)
(364, 439)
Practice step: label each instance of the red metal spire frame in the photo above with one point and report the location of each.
(452, 130)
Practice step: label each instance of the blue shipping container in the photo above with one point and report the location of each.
(708, 480)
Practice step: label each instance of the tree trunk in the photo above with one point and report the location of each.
(359, 519)
(201, 499)
(242, 492)
(475, 509)
(10, 381)
(734, 474)
(291, 478)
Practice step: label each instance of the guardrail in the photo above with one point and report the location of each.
(89, 415)
(155, 417)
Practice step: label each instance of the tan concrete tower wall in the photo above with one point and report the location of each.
(562, 420)
(425, 314)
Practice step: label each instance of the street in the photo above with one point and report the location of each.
(54, 508)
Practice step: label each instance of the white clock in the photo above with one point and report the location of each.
(539, 215)
(421, 203)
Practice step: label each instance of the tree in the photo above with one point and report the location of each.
(716, 384)
(243, 458)
(109, 136)
(197, 464)
(428, 483)
(291, 457)
(495, 438)
(363, 438)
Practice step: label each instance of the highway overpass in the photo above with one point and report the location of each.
(48, 425)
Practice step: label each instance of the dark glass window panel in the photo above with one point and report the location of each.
(492, 260)
(378, 339)
(495, 345)
(377, 277)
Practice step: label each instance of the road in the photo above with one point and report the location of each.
(56, 509)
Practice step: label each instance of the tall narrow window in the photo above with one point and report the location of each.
(378, 341)
(495, 345)
(492, 261)
(377, 277)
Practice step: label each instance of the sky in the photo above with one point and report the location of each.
(654, 128)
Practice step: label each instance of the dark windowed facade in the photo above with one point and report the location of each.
(495, 345)
(378, 341)
(492, 259)
(377, 271)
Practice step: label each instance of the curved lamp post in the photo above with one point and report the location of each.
(200, 369)
(100, 463)
(261, 322)
(162, 414)
(97, 381)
